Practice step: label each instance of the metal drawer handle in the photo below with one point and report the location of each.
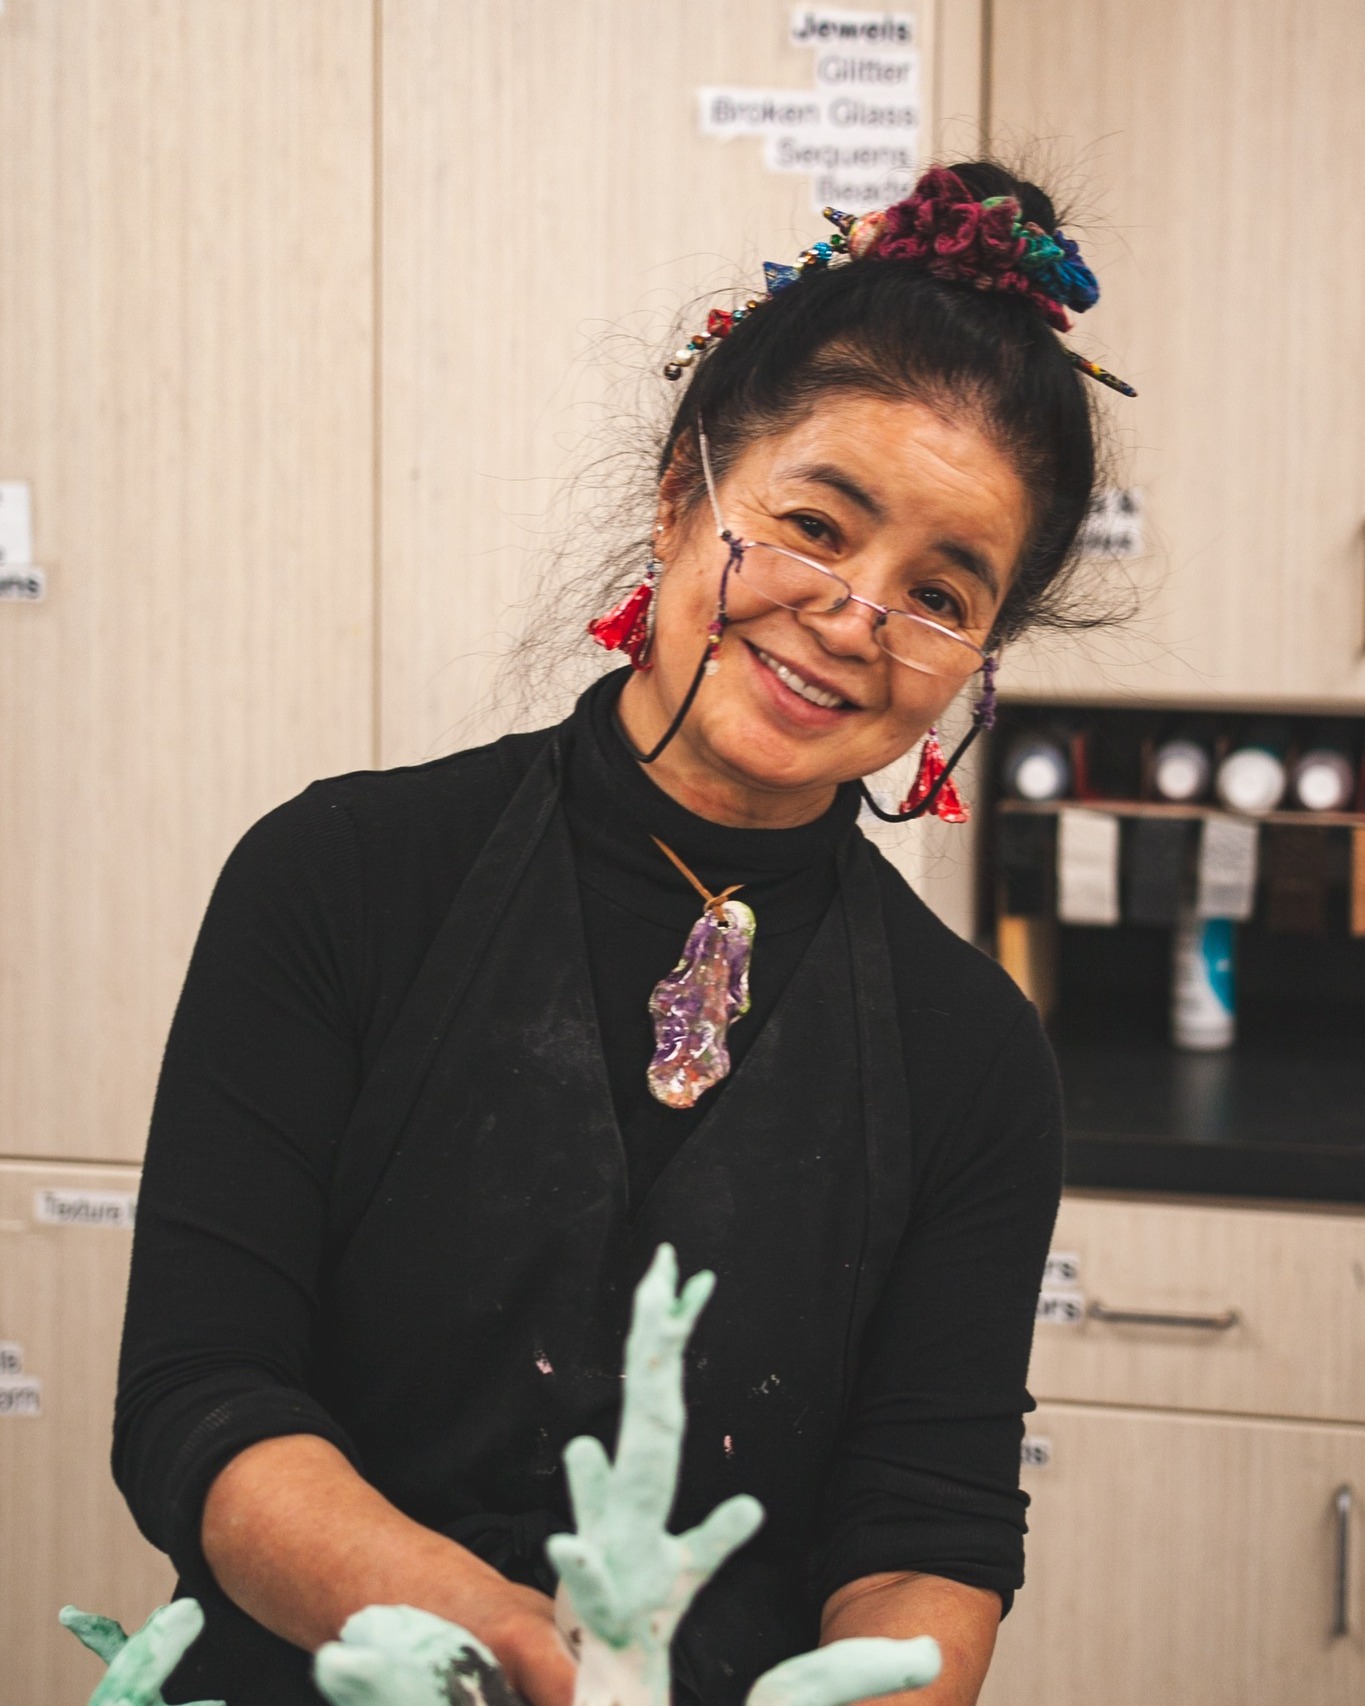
(1150, 1318)
(1341, 1586)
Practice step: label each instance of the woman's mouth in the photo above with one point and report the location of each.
(814, 694)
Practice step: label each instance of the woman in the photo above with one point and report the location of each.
(432, 1097)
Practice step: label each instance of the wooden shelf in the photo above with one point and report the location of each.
(1165, 808)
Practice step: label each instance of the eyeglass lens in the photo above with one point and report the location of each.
(796, 585)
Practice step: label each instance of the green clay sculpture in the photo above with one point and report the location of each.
(625, 1581)
(140, 1663)
(844, 1671)
(394, 1655)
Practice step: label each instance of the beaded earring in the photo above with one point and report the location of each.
(629, 626)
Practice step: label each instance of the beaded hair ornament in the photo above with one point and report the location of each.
(985, 245)
(988, 245)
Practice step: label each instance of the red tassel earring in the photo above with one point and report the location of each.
(933, 792)
(629, 626)
(948, 801)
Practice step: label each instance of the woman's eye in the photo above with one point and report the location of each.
(939, 603)
(811, 527)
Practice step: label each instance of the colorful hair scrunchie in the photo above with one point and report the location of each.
(987, 244)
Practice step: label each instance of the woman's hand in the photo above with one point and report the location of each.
(396, 1655)
(301, 1542)
(529, 1647)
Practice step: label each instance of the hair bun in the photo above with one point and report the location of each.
(987, 241)
(985, 178)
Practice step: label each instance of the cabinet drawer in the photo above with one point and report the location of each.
(1295, 1282)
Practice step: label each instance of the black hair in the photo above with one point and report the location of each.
(888, 328)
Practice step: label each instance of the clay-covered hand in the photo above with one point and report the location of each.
(845, 1671)
(138, 1664)
(629, 1580)
(395, 1655)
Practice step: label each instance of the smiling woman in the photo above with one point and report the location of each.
(900, 430)
(461, 1045)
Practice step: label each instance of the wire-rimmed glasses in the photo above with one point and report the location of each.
(794, 582)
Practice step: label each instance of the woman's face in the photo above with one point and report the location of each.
(917, 512)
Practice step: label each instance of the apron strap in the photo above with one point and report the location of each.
(390, 1089)
(887, 1121)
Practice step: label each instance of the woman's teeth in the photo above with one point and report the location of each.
(789, 678)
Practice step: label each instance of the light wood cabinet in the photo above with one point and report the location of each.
(186, 380)
(1216, 156)
(1185, 1559)
(68, 1537)
(1184, 1531)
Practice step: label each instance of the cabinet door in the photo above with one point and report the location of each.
(186, 381)
(1216, 156)
(68, 1535)
(1190, 1560)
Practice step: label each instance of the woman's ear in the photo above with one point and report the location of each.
(677, 487)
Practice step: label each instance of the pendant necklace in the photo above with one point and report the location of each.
(695, 1005)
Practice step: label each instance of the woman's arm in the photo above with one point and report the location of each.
(963, 1620)
(299, 1541)
(924, 1490)
(260, 1072)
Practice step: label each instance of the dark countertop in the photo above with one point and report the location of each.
(1280, 1115)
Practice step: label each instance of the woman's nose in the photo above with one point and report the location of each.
(850, 631)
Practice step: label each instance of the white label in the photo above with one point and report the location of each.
(758, 112)
(1229, 859)
(858, 193)
(53, 1207)
(1063, 1268)
(873, 32)
(1060, 1308)
(25, 585)
(1113, 526)
(1035, 1452)
(870, 73)
(20, 1396)
(16, 523)
(837, 154)
(1087, 867)
(840, 113)
(11, 1357)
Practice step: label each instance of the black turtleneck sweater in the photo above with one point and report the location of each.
(314, 934)
(638, 909)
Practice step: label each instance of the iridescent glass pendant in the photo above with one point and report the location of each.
(695, 1005)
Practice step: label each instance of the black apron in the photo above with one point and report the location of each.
(481, 1187)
